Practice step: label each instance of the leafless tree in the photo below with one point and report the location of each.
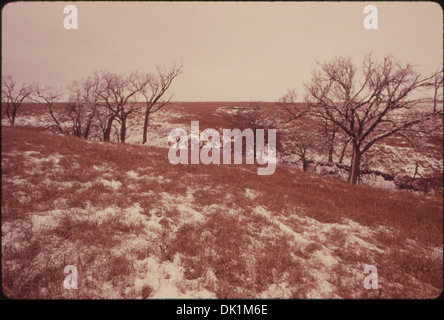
(102, 117)
(254, 116)
(382, 101)
(13, 95)
(330, 131)
(345, 141)
(50, 96)
(153, 89)
(295, 139)
(304, 141)
(118, 93)
(289, 109)
(83, 106)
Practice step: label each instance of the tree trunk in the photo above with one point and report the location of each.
(145, 127)
(123, 130)
(330, 153)
(343, 152)
(86, 132)
(76, 129)
(14, 113)
(332, 145)
(88, 127)
(355, 165)
(107, 132)
(304, 165)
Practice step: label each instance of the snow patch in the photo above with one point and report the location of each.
(112, 184)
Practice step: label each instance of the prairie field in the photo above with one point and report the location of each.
(138, 227)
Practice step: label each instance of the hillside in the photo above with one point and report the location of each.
(389, 164)
(138, 227)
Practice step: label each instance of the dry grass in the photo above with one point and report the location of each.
(243, 267)
(245, 251)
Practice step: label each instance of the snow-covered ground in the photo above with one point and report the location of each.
(399, 161)
(120, 227)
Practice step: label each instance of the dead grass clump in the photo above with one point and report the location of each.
(119, 223)
(420, 275)
(119, 267)
(88, 230)
(353, 254)
(223, 245)
(97, 194)
(312, 247)
(29, 271)
(147, 291)
(324, 216)
(31, 281)
(207, 197)
(186, 240)
(172, 188)
(274, 264)
(12, 208)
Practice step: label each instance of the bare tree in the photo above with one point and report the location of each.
(118, 93)
(288, 109)
(83, 106)
(153, 89)
(49, 96)
(307, 137)
(384, 101)
(345, 143)
(304, 141)
(102, 116)
(254, 116)
(13, 95)
(330, 131)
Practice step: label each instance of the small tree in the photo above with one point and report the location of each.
(49, 96)
(83, 106)
(103, 116)
(330, 131)
(304, 142)
(254, 116)
(118, 93)
(384, 101)
(153, 89)
(288, 110)
(299, 134)
(13, 95)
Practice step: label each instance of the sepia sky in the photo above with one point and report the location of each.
(230, 51)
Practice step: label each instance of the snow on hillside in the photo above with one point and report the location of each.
(397, 161)
(138, 227)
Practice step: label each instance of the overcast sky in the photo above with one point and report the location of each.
(230, 51)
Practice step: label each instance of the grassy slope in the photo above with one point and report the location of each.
(138, 227)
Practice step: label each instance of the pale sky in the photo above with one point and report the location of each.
(230, 51)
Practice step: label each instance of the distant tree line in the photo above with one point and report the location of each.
(97, 103)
